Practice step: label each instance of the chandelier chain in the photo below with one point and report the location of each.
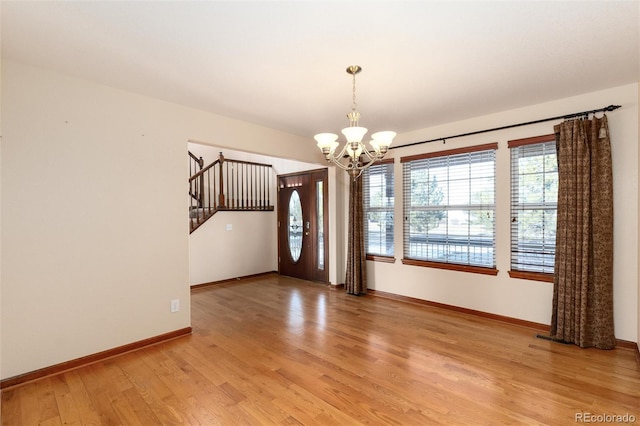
(353, 104)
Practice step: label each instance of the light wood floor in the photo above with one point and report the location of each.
(276, 350)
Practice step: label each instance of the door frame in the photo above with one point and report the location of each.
(314, 176)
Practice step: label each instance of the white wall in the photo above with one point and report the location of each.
(250, 247)
(523, 299)
(94, 223)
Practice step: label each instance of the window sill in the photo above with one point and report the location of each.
(451, 266)
(535, 276)
(379, 258)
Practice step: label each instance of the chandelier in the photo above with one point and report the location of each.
(354, 157)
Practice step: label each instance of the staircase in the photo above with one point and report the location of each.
(227, 185)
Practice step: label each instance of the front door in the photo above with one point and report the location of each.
(303, 225)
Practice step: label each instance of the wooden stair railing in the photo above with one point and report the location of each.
(195, 165)
(228, 185)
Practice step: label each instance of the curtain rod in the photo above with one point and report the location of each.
(565, 117)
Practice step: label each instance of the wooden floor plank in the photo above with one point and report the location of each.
(275, 350)
(69, 414)
(11, 406)
(30, 414)
(81, 400)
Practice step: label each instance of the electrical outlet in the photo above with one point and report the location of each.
(175, 305)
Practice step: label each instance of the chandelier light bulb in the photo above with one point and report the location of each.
(327, 142)
(354, 134)
(381, 141)
(354, 151)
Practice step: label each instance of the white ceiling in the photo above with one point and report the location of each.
(282, 63)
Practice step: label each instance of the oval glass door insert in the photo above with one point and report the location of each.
(295, 225)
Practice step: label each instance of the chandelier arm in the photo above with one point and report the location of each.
(339, 164)
(337, 158)
(361, 169)
(366, 166)
(340, 156)
(373, 157)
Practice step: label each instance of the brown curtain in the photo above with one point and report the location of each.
(356, 277)
(583, 284)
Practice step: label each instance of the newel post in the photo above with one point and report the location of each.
(201, 191)
(221, 202)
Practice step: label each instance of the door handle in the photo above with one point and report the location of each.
(307, 231)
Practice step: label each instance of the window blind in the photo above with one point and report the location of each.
(534, 204)
(378, 195)
(449, 206)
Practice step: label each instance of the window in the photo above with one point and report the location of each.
(378, 210)
(449, 209)
(534, 204)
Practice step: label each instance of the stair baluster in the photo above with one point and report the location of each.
(227, 185)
